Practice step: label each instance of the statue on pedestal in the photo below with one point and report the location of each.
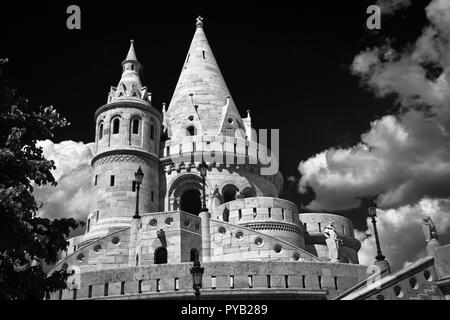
(430, 230)
(333, 241)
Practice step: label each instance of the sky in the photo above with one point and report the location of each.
(359, 111)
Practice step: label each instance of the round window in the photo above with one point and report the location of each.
(169, 221)
(153, 223)
(115, 240)
(239, 235)
(187, 223)
(380, 297)
(222, 230)
(80, 257)
(277, 248)
(191, 118)
(98, 248)
(259, 242)
(230, 120)
(296, 256)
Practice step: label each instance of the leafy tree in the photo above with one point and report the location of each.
(27, 241)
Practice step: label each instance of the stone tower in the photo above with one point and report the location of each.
(127, 137)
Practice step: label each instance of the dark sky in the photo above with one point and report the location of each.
(288, 64)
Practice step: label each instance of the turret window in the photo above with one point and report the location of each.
(152, 132)
(112, 181)
(135, 126)
(116, 126)
(100, 131)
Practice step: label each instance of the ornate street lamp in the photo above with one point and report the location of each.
(373, 215)
(139, 176)
(203, 168)
(197, 277)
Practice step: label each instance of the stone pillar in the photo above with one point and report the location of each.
(135, 223)
(206, 238)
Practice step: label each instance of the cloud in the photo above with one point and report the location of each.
(389, 7)
(404, 156)
(72, 197)
(402, 239)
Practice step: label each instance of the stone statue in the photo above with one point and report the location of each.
(333, 241)
(216, 197)
(430, 229)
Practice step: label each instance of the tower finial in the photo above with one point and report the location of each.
(199, 23)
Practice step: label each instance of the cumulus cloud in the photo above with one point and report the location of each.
(389, 7)
(72, 197)
(404, 157)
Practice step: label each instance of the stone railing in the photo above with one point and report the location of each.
(249, 278)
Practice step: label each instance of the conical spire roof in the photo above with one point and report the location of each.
(201, 88)
(131, 56)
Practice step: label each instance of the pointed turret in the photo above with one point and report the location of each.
(130, 83)
(201, 91)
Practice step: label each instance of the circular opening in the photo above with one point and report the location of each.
(169, 221)
(259, 242)
(413, 283)
(398, 292)
(230, 120)
(197, 226)
(380, 297)
(153, 223)
(191, 118)
(80, 257)
(296, 256)
(222, 230)
(239, 235)
(427, 275)
(115, 240)
(98, 248)
(277, 248)
(187, 223)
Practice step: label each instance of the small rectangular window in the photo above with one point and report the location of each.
(320, 227)
(250, 282)
(270, 212)
(282, 214)
(140, 286)
(152, 132)
(96, 179)
(231, 282)
(176, 284)
(213, 282)
(304, 281)
(240, 214)
(167, 151)
(305, 226)
(204, 57)
(90, 291)
(157, 285)
(153, 196)
(112, 181)
(286, 281)
(268, 281)
(133, 186)
(122, 288)
(336, 283)
(320, 282)
(106, 290)
(74, 294)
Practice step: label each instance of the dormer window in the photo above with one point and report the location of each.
(116, 126)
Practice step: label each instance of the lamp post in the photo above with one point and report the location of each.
(373, 215)
(139, 175)
(203, 171)
(197, 277)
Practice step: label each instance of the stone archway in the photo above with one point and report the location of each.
(161, 255)
(190, 201)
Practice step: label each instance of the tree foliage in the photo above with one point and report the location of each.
(27, 241)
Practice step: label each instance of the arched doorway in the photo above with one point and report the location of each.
(161, 255)
(191, 201)
(229, 193)
(194, 255)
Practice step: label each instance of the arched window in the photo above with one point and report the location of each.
(152, 132)
(191, 201)
(191, 131)
(248, 193)
(100, 131)
(194, 255)
(116, 126)
(161, 255)
(229, 193)
(135, 126)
